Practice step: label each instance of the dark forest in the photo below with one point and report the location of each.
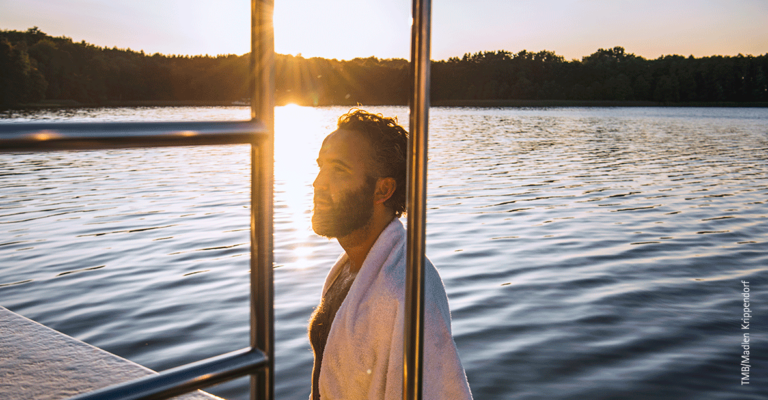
(35, 67)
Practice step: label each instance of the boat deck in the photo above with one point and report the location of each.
(37, 362)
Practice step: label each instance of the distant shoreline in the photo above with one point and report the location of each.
(436, 103)
(44, 70)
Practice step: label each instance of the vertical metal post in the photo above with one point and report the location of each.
(416, 202)
(262, 155)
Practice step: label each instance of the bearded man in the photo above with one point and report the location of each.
(356, 331)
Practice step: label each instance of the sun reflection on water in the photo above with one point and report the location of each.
(299, 131)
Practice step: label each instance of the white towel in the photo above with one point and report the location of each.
(363, 357)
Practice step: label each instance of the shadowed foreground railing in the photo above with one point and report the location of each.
(49, 136)
(184, 379)
(54, 136)
(258, 359)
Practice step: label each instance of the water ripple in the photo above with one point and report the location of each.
(587, 253)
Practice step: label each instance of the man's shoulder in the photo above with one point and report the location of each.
(390, 252)
(387, 257)
(391, 277)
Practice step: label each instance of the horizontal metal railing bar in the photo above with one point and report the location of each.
(53, 136)
(184, 379)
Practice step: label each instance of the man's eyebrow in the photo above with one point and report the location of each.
(335, 161)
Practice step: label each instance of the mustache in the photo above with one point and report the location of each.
(322, 198)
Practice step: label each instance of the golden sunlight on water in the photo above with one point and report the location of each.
(299, 133)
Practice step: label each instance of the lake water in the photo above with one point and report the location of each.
(588, 253)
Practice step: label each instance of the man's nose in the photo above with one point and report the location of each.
(320, 181)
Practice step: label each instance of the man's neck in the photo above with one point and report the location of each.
(358, 243)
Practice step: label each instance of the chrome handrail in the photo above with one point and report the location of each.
(184, 379)
(54, 136)
(416, 202)
(262, 178)
(258, 360)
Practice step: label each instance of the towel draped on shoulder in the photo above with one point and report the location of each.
(363, 356)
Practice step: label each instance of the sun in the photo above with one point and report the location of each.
(342, 29)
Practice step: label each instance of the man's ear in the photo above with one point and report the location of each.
(385, 188)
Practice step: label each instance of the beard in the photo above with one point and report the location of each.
(352, 212)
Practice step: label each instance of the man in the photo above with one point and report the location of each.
(357, 330)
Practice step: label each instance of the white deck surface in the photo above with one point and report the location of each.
(37, 362)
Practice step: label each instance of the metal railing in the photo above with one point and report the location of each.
(184, 379)
(53, 136)
(416, 202)
(258, 359)
(23, 137)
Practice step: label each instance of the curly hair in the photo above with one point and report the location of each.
(389, 142)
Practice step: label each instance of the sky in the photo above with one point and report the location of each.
(345, 29)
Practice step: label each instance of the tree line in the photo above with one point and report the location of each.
(35, 66)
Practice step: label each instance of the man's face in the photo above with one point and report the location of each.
(343, 199)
